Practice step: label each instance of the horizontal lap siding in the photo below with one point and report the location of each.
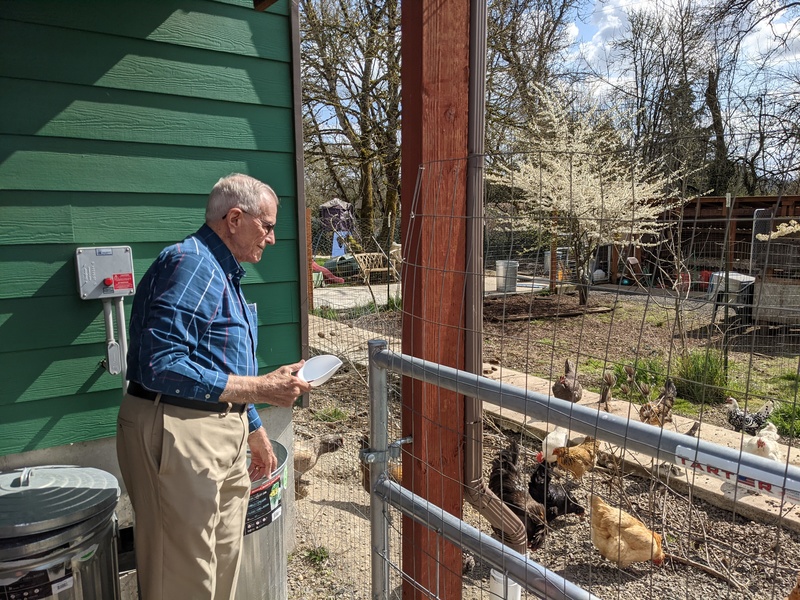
(117, 120)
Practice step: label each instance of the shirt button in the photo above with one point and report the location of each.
(208, 396)
(177, 391)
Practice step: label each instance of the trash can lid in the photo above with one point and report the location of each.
(37, 499)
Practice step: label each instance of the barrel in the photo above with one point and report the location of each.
(506, 273)
(263, 573)
(58, 534)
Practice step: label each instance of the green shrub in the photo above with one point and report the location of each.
(786, 417)
(701, 377)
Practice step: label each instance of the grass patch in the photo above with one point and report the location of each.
(786, 417)
(701, 377)
(331, 414)
(325, 312)
(318, 556)
(685, 408)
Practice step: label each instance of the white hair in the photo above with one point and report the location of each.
(238, 191)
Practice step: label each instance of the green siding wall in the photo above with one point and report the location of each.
(116, 119)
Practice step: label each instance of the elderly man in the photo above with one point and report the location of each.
(187, 419)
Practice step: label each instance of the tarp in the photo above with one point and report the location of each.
(337, 215)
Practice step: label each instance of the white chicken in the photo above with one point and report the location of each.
(764, 444)
(558, 438)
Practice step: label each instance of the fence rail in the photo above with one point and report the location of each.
(778, 479)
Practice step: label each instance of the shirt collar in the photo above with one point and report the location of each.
(221, 252)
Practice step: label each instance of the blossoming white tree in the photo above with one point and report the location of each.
(582, 172)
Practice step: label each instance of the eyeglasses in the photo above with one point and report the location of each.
(266, 227)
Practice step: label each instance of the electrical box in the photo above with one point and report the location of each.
(104, 272)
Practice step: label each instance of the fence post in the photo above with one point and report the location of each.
(378, 437)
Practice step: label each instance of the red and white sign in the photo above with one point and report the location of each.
(123, 281)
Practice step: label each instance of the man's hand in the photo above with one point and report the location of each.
(283, 386)
(262, 459)
(279, 388)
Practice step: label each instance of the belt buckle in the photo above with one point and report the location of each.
(230, 406)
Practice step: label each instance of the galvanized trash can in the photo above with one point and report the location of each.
(263, 574)
(58, 534)
(506, 274)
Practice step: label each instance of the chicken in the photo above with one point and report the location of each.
(556, 500)
(306, 454)
(394, 468)
(622, 538)
(558, 438)
(795, 593)
(568, 387)
(750, 423)
(577, 459)
(505, 481)
(659, 411)
(609, 381)
(765, 443)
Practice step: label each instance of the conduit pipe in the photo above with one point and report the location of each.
(476, 491)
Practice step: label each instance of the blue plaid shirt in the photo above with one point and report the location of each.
(190, 325)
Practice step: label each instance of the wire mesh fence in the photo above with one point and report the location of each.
(661, 328)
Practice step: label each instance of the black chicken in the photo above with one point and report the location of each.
(557, 501)
(505, 480)
(748, 422)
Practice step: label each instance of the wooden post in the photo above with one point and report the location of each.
(310, 255)
(435, 75)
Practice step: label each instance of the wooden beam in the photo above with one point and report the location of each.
(435, 75)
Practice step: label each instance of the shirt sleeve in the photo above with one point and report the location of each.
(185, 295)
(253, 420)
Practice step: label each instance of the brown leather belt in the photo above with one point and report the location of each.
(137, 389)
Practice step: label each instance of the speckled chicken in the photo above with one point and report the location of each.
(557, 501)
(622, 538)
(750, 423)
(568, 387)
(659, 411)
(577, 459)
(506, 482)
(306, 454)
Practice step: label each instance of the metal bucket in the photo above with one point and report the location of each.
(263, 573)
(58, 534)
(506, 273)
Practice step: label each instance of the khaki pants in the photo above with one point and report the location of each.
(186, 474)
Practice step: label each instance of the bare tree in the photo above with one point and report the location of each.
(351, 102)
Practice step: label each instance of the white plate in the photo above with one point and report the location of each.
(319, 369)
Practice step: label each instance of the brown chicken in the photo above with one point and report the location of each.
(306, 454)
(568, 387)
(577, 459)
(659, 411)
(795, 593)
(507, 483)
(622, 538)
(394, 468)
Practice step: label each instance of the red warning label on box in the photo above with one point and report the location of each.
(123, 281)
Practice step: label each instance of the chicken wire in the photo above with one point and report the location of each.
(668, 318)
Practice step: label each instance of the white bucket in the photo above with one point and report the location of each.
(507, 275)
(503, 588)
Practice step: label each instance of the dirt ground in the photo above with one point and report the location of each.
(717, 554)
